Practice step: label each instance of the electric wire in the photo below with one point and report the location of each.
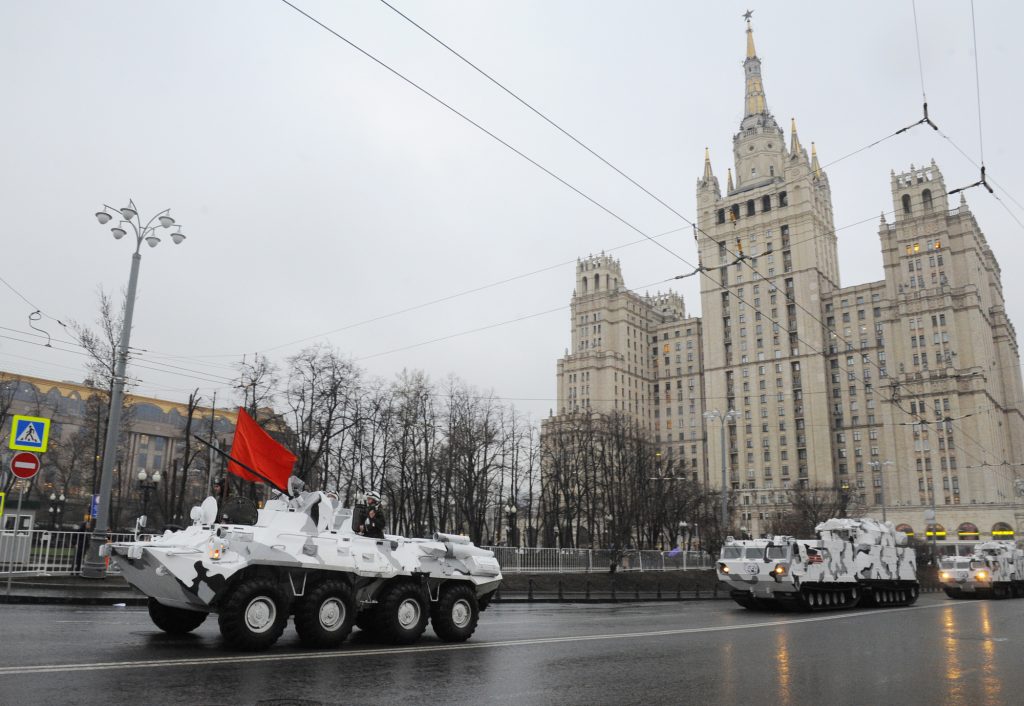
(545, 169)
(700, 268)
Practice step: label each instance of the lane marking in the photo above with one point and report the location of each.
(387, 651)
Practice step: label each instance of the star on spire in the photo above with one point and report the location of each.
(747, 14)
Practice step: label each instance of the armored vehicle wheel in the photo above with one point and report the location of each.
(323, 618)
(455, 614)
(401, 614)
(253, 615)
(176, 621)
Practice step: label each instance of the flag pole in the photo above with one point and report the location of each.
(248, 468)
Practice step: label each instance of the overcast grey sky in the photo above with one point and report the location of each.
(318, 190)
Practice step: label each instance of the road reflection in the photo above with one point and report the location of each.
(951, 645)
(782, 668)
(992, 685)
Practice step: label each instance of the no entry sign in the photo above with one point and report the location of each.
(25, 465)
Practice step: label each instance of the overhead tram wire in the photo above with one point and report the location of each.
(985, 179)
(552, 174)
(518, 319)
(537, 164)
(590, 150)
(480, 127)
(700, 268)
(457, 295)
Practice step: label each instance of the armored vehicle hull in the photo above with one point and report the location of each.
(851, 563)
(302, 558)
(994, 570)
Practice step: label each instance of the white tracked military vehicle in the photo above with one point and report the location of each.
(994, 570)
(301, 556)
(853, 562)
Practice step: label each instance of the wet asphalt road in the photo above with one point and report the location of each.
(939, 651)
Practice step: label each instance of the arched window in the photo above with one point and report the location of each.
(584, 285)
(734, 212)
(1002, 530)
(926, 197)
(721, 215)
(906, 203)
(766, 203)
(782, 199)
(597, 282)
(967, 530)
(936, 530)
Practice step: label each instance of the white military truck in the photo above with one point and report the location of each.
(852, 562)
(301, 556)
(994, 570)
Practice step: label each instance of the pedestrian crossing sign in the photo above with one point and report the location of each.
(29, 433)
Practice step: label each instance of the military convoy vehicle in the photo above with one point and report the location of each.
(993, 570)
(301, 556)
(852, 562)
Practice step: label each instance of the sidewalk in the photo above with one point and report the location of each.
(69, 590)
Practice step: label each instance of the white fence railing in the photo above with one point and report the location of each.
(46, 551)
(515, 560)
(61, 553)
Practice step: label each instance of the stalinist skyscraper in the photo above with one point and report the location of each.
(904, 392)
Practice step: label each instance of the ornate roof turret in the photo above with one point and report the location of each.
(796, 150)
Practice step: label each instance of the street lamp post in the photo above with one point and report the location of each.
(684, 535)
(56, 510)
(724, 419)
(147, 484)
(93, 566)
(877, 466)
(511, 510)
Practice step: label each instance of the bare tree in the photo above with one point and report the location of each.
(810, 506)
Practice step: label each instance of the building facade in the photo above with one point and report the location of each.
(152, 441)
(903, 393)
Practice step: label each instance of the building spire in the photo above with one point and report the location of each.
(815, 167)
(794, 143)
(751, 52)
(755, 101)
(708, 176)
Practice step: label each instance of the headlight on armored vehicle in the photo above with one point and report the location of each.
(215, 551)
(982, 575)
(779, 570)
(723, 568)
(944, 575)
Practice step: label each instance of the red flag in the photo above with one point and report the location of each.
(254, 448)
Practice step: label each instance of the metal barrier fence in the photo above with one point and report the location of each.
(46, 552)
(516, 560)
(60, 553)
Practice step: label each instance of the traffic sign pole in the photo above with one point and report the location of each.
(14, 534)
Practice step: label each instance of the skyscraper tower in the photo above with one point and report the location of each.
(769, 246)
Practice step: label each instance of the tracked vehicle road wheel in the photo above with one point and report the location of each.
(323, 618)
(174, 621)
(253, 615)
(401, 614)
(455, 615)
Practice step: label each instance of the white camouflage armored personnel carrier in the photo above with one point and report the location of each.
(853, 562)
(994, 570)
(301, 556)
